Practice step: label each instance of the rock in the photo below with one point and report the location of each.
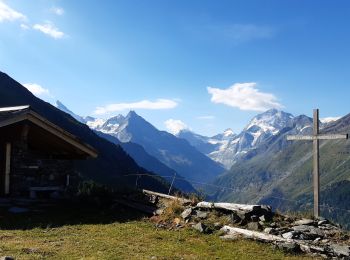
(234, 218)
(273, 225)
(186, 213)
(159, 212)
(312, 232)
(242, 215)
(288, 235)
(254, 218)
(200, 227)
(291, 248)
(322, 222)
(262, 218)
(17, 210)
(266, 207)
(254, 226)
(268, 230)
(303, 221)
(201, 214)
(301, 228)
(317, 239)
(340, 250)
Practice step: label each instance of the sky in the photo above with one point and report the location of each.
(202, 65)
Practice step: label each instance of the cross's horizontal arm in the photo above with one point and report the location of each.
(315, 137)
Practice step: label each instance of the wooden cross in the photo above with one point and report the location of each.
(316, 149)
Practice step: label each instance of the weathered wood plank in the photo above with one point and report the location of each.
(232, 233)
(316, 164)
(148, 192)
(228, 206)
(7, 169)
(318, 137)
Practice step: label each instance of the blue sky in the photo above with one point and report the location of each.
(209, 64)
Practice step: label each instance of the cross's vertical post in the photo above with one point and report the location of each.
(316, 164)
(316, 137)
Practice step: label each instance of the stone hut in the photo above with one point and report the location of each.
(36, 156)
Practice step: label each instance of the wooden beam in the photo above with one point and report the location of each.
(318, 137)
(299, 137)
(316, 165)
(332, 137)
(7, 169)
(228, 206)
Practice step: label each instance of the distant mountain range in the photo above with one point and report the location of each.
(176, 153)
(227, 148)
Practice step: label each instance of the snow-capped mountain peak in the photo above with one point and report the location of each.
(270, 121)
(63, 108)
(228, 132)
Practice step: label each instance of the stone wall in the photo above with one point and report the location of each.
(33, 169)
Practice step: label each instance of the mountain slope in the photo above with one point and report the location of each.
(112, 162)
(174, 152)
(150, 163)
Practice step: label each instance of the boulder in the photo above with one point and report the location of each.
(186, 213)
(200, 227)
(289, 235)
(254, 226)
(254, 218)
(304, 221)
(201, 214)
(291, 248)
(340, 250)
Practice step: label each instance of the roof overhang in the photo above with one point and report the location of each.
(35, 118)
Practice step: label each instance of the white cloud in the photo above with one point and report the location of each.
(144, 104)
(57, 10)
(205, 117)
(49, 29)
(36, 89)
(24, 26)
(244, 96)
(175, 126)
(8, 14)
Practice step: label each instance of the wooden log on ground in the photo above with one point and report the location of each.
(229, 206)
(232, 232)
(165, 196)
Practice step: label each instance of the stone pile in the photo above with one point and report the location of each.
(235, 221)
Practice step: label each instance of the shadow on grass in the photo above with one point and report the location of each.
(66, 213)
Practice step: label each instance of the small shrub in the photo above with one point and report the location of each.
(173, 210)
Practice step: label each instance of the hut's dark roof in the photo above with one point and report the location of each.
(13, 115)
(10, 112)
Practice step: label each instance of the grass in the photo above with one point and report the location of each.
(91, 233)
